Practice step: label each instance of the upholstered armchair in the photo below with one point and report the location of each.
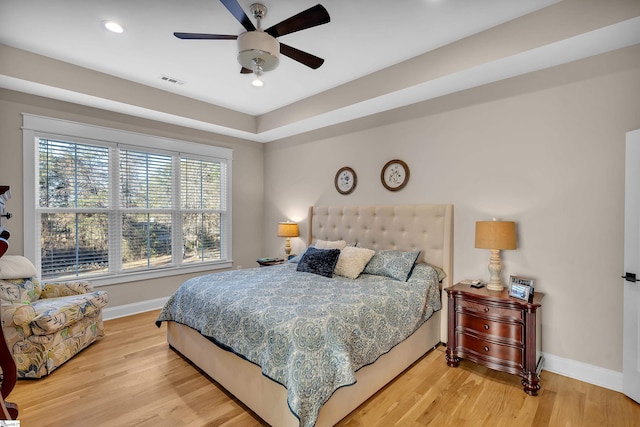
(46, 325)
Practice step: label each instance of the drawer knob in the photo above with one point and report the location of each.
(486, 309)
(486, 348)
(486, 327)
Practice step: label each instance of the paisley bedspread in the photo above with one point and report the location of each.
(307, 332)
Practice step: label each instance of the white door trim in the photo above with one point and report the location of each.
(631, 304)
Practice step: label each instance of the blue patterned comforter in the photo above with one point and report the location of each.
(307, 332)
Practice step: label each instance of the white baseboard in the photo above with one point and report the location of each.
(583, 372)
(133, 308)
(558, 365)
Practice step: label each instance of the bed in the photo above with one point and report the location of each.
(411, 228)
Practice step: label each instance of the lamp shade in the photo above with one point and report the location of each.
(288, 229)
(496, 235)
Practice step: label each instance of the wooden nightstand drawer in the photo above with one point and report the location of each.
(495, 330)
(501, 330)
(490, 310)
(489, 348)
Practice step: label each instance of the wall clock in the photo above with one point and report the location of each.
(345, 180)
(394, 175)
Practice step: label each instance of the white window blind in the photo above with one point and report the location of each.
(106, 209)
(74, 201)
(202, 205)
(146, 189)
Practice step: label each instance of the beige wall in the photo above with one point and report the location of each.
(247, 180)
(545, 150)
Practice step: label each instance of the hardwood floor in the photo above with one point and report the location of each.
(132, 378)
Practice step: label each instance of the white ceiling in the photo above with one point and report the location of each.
(363, 37)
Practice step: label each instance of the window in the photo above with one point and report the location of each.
(111, 205)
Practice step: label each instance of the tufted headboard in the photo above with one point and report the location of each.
(428, 228)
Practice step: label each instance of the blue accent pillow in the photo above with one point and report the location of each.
(391, 263)
(319, 261)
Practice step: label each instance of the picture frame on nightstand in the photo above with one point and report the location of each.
(520, 288)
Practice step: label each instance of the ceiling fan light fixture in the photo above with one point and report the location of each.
(257, 73)
(258, 45)
(113, 26)
(257, 81)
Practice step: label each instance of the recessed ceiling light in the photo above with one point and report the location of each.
(113, 26)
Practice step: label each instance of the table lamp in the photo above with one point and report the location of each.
(288, 230)
(495, 236)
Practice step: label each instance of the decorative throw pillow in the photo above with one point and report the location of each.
(319, 261)
(16, 267)
(322, 244)
(330, 244)
(392, 263)
(352, 261)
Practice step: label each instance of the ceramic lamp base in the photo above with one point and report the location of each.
(495, 268)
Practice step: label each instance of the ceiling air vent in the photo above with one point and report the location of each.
(172, 80)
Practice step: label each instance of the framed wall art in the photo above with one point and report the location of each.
(345, 180)
(394, 175)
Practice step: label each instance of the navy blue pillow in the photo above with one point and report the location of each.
(319, 261)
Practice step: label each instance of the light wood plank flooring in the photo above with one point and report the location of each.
(132, 378)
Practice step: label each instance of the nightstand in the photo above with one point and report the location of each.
(266, 262)
(497, 331)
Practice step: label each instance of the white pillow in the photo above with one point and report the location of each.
(16, 267)
(352, 261)
(330, 244)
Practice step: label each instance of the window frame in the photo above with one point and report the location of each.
(36, 127)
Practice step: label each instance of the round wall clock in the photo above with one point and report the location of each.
(394, 175)
(346, 180)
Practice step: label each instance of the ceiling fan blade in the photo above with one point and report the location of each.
(244, 70)
(316, 15)
(198, 36)
(305, 58)
(235, 9)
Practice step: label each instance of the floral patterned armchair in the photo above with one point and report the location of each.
(46, 325)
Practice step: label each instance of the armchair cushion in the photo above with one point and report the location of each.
(55, 290)
(49, 315)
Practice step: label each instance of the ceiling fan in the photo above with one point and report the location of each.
(258, 49)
